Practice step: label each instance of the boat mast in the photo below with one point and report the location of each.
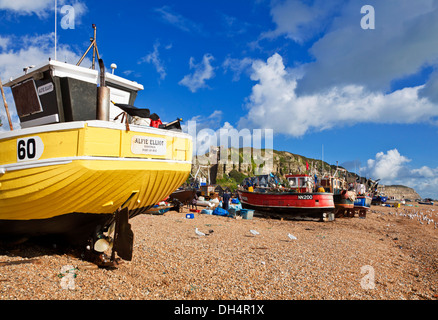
(322, 159)
(94, 47)
(95, 50)
(56, 22)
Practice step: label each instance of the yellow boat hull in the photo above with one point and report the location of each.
(76, 175)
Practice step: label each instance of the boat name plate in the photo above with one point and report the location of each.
(148, 145)
(46, 88)
(305, 197)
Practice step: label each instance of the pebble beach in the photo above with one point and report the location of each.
(392, 254)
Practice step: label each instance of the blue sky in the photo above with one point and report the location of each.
(306, 69)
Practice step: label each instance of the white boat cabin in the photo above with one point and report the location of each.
(333, 184)
(60, 92)
(301, 182)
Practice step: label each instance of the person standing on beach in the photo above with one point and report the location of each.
(194, 202)
(226, 200)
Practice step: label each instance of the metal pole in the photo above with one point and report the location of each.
(103, 96)
(6, 105)
(56, 22)
(94, 47)
(83, 56)
(95, 50)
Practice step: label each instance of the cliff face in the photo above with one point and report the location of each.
(399, 192)
(252, 162)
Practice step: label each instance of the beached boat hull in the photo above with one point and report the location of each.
(395, 201)
(69, 179)
(342, 205)
(426, 202)
(361, 206)
(185, 196)
(379, 200)
(296, 206)
(362, 202)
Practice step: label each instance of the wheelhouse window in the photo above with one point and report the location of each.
(26, 98)
(292, 182)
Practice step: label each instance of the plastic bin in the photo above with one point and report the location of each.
(247, 214)
(232, 212)
(207, 211)
(190, 216)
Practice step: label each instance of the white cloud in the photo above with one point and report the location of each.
(386, 166)
(207, 132)
(234, 26)
(202, 71)
(41, 7)
(154, 58)
(202, 122)
(237, 66)
(425, 172)
(430, 89)
(300, 21)
(27, 7)
(402, 44)
(392, 168)
(35, 50)
(4, 42)
(274, 103)
(80, 10)
(177, 20)
(203, 130)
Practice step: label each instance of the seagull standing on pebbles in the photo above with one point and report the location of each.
(292, 237)
(254, 232)
(199, 233)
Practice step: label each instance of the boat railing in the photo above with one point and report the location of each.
(261, 189)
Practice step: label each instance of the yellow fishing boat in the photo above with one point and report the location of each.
(73, 170)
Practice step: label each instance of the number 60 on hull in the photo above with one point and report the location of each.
(30, 148)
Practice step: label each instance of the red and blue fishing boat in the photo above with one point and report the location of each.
(297, 201)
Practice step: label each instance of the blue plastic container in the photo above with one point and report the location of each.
(190, 215)
(247, 214)
(231, 212)
(206, 211)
